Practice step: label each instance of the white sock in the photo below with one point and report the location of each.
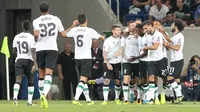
(171, 91)
(131, 89)
(41, 86)
(151, 92)
(47, 84)
(176, 89)
(125, 91)
(79, 90)
(139, 91)
(117, 92)
(156, 93)
(86, 93)
(16, 88)
(105, 92)
(145, 91)
(30, 94)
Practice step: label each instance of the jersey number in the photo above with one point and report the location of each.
(47, 30)
(79, 40)
(24, 46)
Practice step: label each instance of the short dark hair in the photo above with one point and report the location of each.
(169, 12)
(148, 22)
(179, 25)
(82, 18)
(129, 22)
(115, 26)
(140, 26)
(44, 7)
(26, 25)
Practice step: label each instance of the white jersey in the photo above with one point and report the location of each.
(131, 48)
(111, 46)
(177, 39)
(144, 41)
(83, 41)
(156, 55)
(164, 48)
(49, 26)
(24, 42)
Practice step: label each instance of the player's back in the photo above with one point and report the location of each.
(24, 42)
(83, 41)
(49, 26)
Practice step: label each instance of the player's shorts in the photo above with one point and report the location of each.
(47, 59)
(162, 67)
(113, 74)
(143, 69)
(84, 67)
(131, 69)
(23, 67)
(176, 68)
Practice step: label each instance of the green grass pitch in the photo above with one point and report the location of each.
(66, 106)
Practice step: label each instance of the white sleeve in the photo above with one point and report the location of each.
(151, 11)
(33, 43)
(36, 25)
(70, 33)
(14, 42)
(94, 34)
(60, 25)
(105, 46)
(123, 40)
(157, 38)
(179, 41)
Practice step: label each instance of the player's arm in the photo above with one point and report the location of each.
(166, 36)
(102, 38)
(36, 31)
(153, 47)
(175, 47)
(69, 32)
(14, 47)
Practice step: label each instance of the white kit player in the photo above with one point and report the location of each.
(154, 67)
(46, 28)
(83, 37)
(177, 60)
(112, 64)
(130, 50)
(25, 63)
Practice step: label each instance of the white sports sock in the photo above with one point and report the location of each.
(86, 93)
(79, 90)
(131, 89)
(176, 89)
(105, 92)
(47, 84)
(156, 93)
(139, 91)
(125, 91)
(30, 94)
(117, 92)
(41, 86)
(145, 91)
(151, 92)
(16, 88)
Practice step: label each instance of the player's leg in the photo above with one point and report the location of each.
(19, 71)
(117, 77)
(157, 102)
(175, 71)
(136, 70)
(151, 69)
(30, 76)
(41, 64)
(108, 75)
(144, 81)
(127, 71)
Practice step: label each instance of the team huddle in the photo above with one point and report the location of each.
(141, 52)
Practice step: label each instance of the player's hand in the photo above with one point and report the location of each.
(33, 68)
(145, 48)
(109, 66)
(133, 58)
(116, 54)
(165, 43)
(161, 30)
(61, 76)
(75, 22)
